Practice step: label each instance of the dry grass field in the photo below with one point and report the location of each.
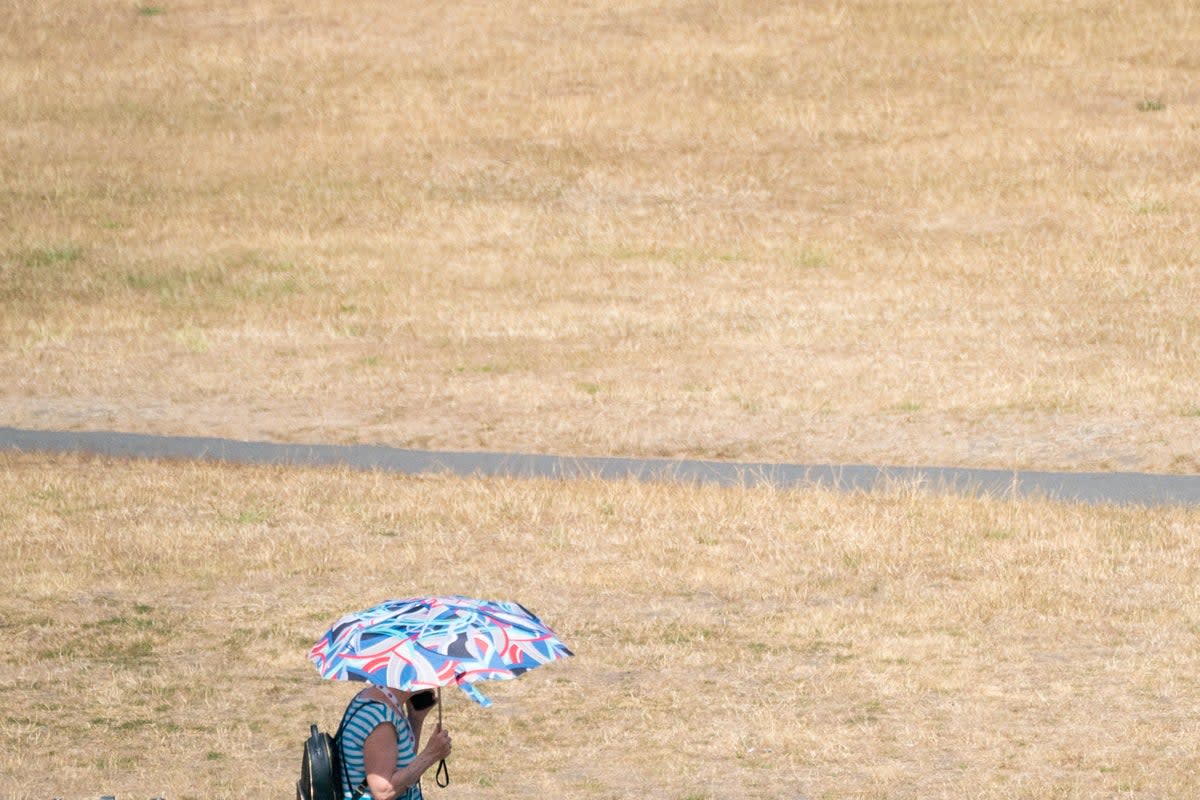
(957, 233)
(951, 233)
(730, 643)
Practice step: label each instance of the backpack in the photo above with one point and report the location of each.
(320, 777)
(321, 768)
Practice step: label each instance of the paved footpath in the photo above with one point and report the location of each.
(1122, 488)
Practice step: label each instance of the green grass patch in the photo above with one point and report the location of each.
(43, 257)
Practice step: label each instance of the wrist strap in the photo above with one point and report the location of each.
(442, 776)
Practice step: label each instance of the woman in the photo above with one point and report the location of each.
(380, 746)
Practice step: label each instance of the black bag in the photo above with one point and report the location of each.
(320, 778)
(321, 767)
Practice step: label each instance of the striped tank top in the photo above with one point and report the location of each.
(361, 718)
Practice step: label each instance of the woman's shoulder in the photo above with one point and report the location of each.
(369, 708)
(364, 713)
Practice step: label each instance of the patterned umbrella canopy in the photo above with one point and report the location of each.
(427, 642)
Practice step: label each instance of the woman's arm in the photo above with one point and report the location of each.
(379, 757)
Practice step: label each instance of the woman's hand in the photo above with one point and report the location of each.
(439, 744)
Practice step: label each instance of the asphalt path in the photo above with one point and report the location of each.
(1120, 488)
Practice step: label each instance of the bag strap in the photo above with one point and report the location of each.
(362, 789)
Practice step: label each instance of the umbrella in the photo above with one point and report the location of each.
(430, 642)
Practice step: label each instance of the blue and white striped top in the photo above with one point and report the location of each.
(361, 718)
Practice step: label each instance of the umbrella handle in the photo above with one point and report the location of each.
(442, 776)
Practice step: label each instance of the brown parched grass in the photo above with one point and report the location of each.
(956, 233)
(859, 231)
(731, 643)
